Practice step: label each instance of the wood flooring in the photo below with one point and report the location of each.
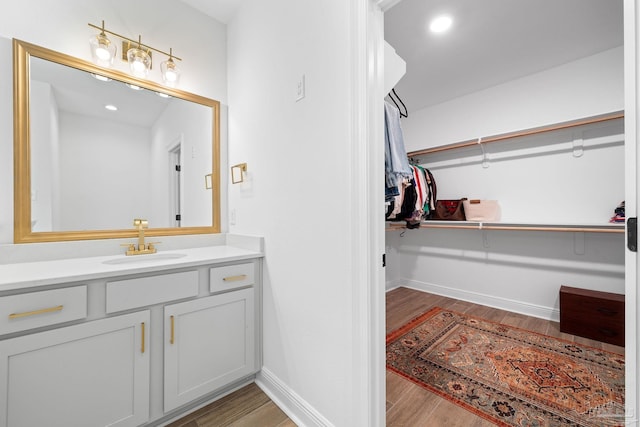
(246, 407)
(408, 405)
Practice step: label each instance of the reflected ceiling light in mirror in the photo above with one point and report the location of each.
(101, 78)
(440, 24)
(133, 87)
(162, 95)
(170, 71)
(111, 107)
(139, 60)
(102, 49)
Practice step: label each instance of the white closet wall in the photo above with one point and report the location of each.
(540, 180)
(586, 87)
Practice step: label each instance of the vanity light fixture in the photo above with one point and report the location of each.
(102, 49)
(137, 54)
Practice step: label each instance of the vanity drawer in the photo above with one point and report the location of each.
(144, 291)
(592, 314)
(44, 308)
(231, 277)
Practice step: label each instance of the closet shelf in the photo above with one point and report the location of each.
(517, 134)
(470, 225)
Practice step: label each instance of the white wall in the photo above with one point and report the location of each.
(62, 26)
(6, 143)
(296, 194)
(586, 87)
(104, 159)
(537, 180)
(44, 156)
(190, 125)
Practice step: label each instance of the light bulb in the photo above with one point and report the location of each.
(138, 66)
(170, 72)
(139, 62)
(171, 76)
(102, 50)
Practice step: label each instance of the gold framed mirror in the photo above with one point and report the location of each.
(82, 172)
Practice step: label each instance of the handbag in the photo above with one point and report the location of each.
(482, 210)
(449, 210)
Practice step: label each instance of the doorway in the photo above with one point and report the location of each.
(175, 183)
(630, 193)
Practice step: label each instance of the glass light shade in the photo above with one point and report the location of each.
(139, 62)
(102, 50)
(170, 72)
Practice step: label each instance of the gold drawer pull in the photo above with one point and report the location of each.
(173, 330)
(142, 346)
(235, 278)
(36, 312)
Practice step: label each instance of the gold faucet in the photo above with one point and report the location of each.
(142, 248)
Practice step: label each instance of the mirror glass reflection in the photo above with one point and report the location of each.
(103, 151)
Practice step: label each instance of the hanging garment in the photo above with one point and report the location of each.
(395, 160)
(415, 200)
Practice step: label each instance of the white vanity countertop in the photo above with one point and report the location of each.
(26, 275)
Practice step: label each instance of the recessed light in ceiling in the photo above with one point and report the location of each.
(111, 107)
(440, 24)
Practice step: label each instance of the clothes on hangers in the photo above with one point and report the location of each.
(395, 161)
(416, 198)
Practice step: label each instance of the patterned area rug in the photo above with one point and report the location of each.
(507, 375)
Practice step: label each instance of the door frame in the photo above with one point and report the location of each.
(631, 43)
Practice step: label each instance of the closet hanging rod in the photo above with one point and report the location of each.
(475, 226)
(517, 134)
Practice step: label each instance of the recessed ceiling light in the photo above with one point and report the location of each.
(134, 87)
(111, 107)
(440, 24)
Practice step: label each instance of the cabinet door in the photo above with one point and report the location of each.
(209, 342)
(92, 374)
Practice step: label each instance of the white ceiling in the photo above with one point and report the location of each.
(493, 41)
(220, 10)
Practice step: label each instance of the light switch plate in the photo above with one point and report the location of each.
(300, 88)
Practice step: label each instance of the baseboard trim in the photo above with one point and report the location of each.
(296, 408)
(393, 284)
(515, 306)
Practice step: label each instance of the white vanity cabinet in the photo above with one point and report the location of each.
(209, 342)
(91, 374)
(139, 344)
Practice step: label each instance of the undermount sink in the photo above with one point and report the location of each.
(136, 259)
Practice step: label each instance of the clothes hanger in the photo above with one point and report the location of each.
(402, 114)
